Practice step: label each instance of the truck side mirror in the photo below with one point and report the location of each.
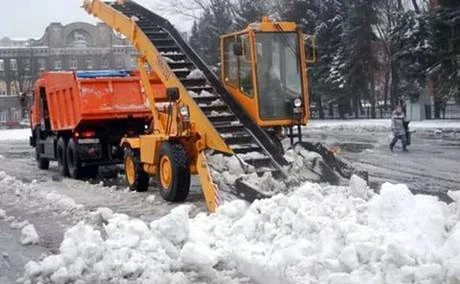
(237, 49)
(172, 94)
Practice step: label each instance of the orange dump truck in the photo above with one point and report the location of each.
(79, 118)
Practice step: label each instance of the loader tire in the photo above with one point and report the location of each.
(136, 178)
(73, 161)
(61, 157)
(173, 172)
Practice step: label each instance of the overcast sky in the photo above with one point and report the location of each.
(29, 18)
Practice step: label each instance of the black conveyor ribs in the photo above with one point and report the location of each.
(229, 119)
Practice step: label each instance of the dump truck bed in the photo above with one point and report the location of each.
(78, 97)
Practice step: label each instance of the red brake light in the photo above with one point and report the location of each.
(88, 134)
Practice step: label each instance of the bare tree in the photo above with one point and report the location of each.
(188, 8)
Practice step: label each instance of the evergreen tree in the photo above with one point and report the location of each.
(249, 11)
(324, 19)
(205, 37)
(360, 60)
(412, 55)
(445, 46)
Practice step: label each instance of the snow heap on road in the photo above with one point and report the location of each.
(315, 234)
(29, 235)
(14, 134)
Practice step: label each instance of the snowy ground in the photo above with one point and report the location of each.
(316, 234)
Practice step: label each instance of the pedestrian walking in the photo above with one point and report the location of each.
(397, 126)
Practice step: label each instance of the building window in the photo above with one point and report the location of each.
(2, 65)
(3, 88)
(133, 63)
(13, 64)
(41, 64)
(27, 64)
(58, 64)
(73, 63)
(3, 116)
(16, 114)
(14, 88)
(89, 63)
(119, 63)
(105, 63)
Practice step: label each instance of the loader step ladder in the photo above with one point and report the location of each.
(241, 134)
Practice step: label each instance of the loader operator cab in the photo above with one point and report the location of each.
(264, 68)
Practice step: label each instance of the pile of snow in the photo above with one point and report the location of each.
(14, 134)
(32, 192)
(315, 234)
(195, 74)
(29, 235)
(303, 166)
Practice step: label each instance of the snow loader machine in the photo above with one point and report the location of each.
(263, 91)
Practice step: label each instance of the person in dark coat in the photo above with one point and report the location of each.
(397, 126)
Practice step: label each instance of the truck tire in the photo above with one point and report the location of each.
(61, 156)
(43, 163)
(73, 162)
(136, 178)
(90, 172)
(173, 172)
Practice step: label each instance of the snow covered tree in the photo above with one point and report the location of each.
(249, 11)
(411, 55)
(324, 19)
(205, 37)
(360, 60)
(445, 42)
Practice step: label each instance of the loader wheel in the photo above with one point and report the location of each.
(173, 172)
(61, 157)
(73, 162)
(135, 175)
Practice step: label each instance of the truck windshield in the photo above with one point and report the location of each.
(278, 73)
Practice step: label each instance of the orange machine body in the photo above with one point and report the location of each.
(73, 101)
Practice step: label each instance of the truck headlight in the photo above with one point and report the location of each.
(297, 102)
(184, 112)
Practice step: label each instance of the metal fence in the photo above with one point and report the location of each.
(450, 111)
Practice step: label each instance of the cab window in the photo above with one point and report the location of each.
(246, 85)
(230, 63)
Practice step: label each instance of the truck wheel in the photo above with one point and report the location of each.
(61, 157)
(136, 178)
(90, 171)
(43, 163)
(73, 162)
(173, 172)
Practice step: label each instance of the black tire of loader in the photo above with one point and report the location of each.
(179, 187)
(141, 178)
(61, 156)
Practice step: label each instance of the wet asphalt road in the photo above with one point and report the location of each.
(431, 166)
